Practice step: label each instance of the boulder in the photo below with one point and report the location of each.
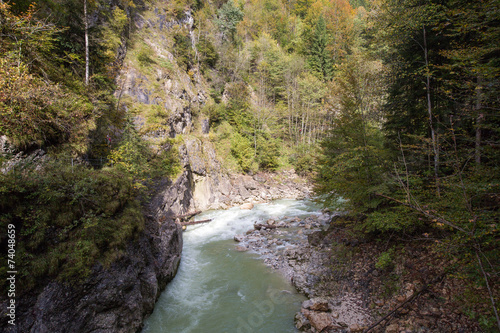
(355, 328)
(247, 206)
(316, 304)
(393, 328)
(259, 178)
(319, 320)
(238, 238)
(301, 322)
(205, 126)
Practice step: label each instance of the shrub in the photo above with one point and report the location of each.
(243, 152)
(385, 260)
(303, 159)
(145, 56)
(209, 55)
(268, 153)
(135, 158)
(183, 51)
(67, 219)
(36, 111)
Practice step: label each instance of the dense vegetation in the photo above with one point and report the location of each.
(67, 218)
(80, 203)
(391, 106)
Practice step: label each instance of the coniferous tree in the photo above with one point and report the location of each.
(228, 18)
(320, 60)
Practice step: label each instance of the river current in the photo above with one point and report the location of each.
(218, 289)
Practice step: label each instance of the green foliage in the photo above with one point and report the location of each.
(215, 113)
(43, 100)
(209, 55)
(320, 60)
(269, 62)
(134, 157)
(302, 7)
(67, 219)
(385, 260)
(243, 152)
(113, 31)
(34, 111)
(156, 119)
(145, 56)
(391, 219)
(27, 40)
(354, 162)
(303, 159)
(228, 17)
(268, 153)
(130, 154)
(182, 50)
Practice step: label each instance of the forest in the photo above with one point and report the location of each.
(389, 107)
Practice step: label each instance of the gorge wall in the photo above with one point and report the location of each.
(119, 297)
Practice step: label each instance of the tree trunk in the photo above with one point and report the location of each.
(87, 58)
(479, 120)
(429, 109)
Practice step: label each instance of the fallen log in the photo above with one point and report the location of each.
(195, 222)
(187, 216)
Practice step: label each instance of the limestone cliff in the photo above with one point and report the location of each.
(155, 81)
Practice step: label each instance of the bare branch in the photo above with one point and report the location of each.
(492, 299)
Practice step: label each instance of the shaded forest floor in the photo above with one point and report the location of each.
(363, 284)
(406, 285)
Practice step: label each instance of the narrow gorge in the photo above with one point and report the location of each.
(249, 166)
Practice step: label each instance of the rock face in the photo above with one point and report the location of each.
(119, 297)
(208, 186)
(114, 299)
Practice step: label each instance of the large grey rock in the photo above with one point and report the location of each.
(115, 299)
(6, 146)
(205, 126)
(195, 156)
(118, 298)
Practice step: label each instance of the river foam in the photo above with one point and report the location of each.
(218, 289)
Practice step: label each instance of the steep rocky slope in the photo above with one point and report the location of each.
(163, 99)
(113, 299)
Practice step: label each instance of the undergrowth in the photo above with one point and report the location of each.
(66, 220)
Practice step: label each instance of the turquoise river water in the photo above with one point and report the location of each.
(218, 289)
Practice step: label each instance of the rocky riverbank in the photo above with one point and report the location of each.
(349, 288)
(205, 184)
(285, 245)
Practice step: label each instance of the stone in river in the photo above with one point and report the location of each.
(247, 206)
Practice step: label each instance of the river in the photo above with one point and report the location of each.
(218, 289)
